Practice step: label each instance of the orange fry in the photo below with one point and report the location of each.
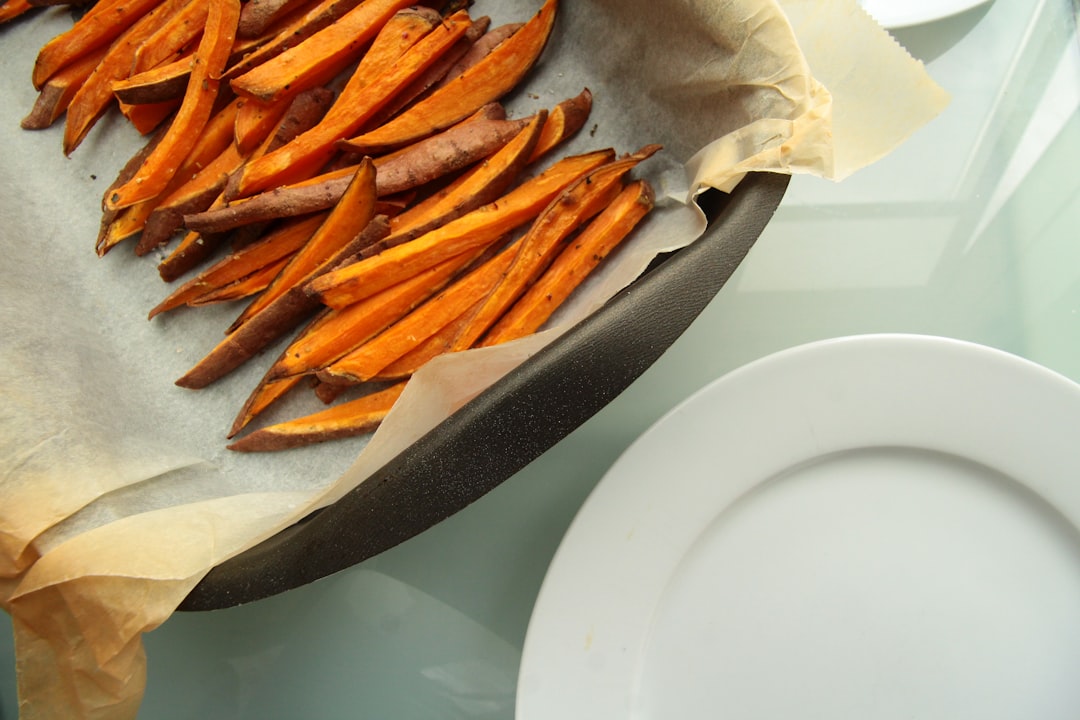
(573, 265)
(491, 78)
(356, 417)
(322, 55)
(172, 39)
(340, 331)
(56, 94)
(351, 215)
(564, 121)
(96, 94)
(365, 362)
(105, 22)
(275, 320)
(194, 112)
(242, 288)
(13, 9)
(287, 33)
(478, 228)
(278, 244)
(539, 246)
(357, 102)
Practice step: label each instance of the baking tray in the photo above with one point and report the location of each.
(515, 420)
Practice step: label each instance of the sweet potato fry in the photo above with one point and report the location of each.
(348, 218)
(481, 185)
(320, 56)
(135, 218)
(491, 78)
(95, 95)
(340, 331)
(573, 265)
(350, 419)
(276, 319)
(55, 96)
(438, 344)
(424, 162)
(255, 121)
(564, 121)
(275, 245)
(244, 287)
(266, 393)
(98, 28)
(366, 361)
(283, 36)
(13, 9)
(357, 102)
(258, 15)
(478, 228)
(479, 50)
(199, 100)
(147, 117)
(432, 75)
(164, 82)
(174, 39)
(539, 246)
(167, 216)
(109, 217)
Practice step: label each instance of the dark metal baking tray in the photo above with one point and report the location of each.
(512, 422)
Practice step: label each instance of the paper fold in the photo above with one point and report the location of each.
(117, 493)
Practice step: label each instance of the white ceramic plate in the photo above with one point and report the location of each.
(905, 13)
(869, 527)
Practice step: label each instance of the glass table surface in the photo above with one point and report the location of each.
(969, 230)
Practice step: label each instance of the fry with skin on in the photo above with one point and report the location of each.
(55, 96)
(258, 15)
(173, 40)
(344, 286)
(287, 33)
(202, 189)
(439, 343)
(255, 120)
(242, 288)
(105, 22)
(340, 331)
(573, 265)
(315, 59)
(198, 103)
(13, 9)
(564, 121)
(488, 80)
(356, 417)
(428, 160)
(276, 245)
(479, 50)
(164, 82)
(358, 101)
(95, 95)
(252, 337)
(345, 221)
(538, 247)
(433, 74)
(481, 185)
(131, 220)
(283, 305)
(366, 361)
(264, 395)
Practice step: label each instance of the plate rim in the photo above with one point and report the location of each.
(894, 16)
(985, 363)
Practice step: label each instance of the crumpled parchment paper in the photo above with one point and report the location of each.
(116, 493)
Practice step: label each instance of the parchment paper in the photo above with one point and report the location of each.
(116, 492)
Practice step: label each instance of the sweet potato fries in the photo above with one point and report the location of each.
(346, 169)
